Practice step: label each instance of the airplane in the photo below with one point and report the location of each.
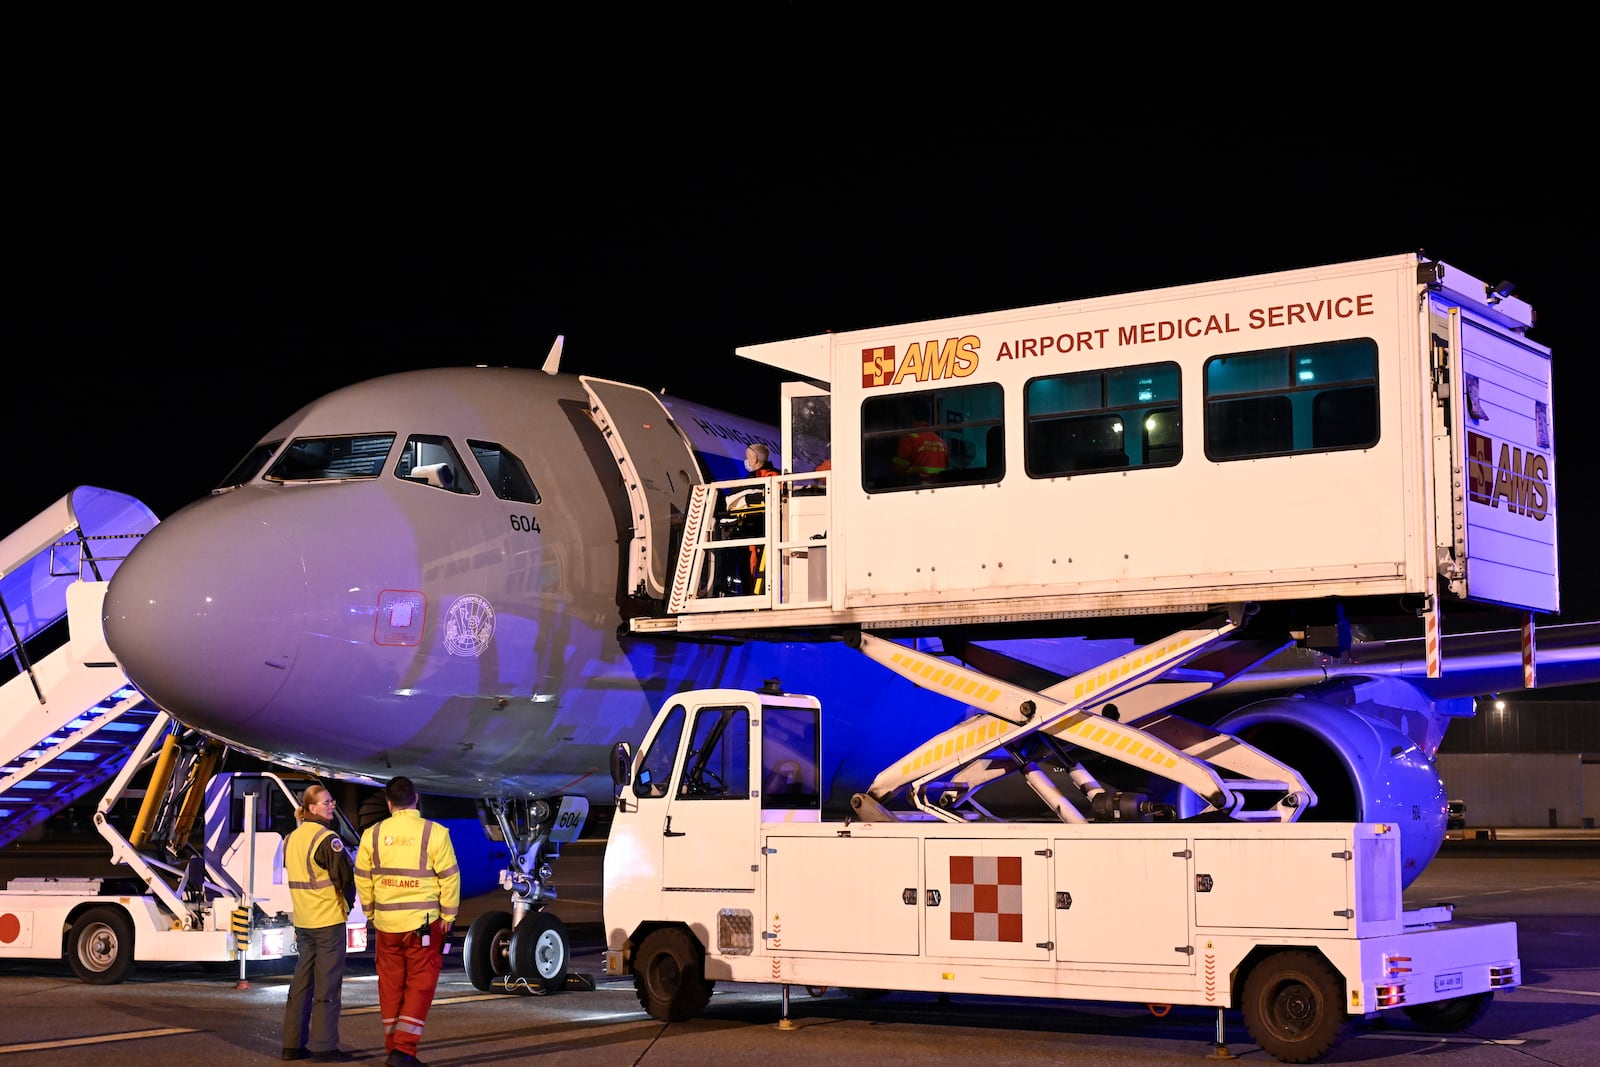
(433, 573)
(462, 622)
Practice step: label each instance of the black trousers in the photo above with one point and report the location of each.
(311, 1018)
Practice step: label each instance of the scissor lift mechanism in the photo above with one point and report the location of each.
(1073, 714)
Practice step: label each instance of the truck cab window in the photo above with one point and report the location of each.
(790, 756)
(274, 812)
(655, 765)
(717, 765)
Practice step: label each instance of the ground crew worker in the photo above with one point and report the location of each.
(410, 886)
(747, 517)
(922, 453)
(321, 887)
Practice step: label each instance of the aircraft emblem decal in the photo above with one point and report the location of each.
(469, 626)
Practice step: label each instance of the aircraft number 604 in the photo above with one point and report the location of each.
(525, 523)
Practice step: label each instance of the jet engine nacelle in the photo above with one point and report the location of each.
(1361, 767)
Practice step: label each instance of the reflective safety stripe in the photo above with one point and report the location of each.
(314, 882)
(407, 873)
(315, 899)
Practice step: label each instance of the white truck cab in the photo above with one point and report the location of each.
(720, 866)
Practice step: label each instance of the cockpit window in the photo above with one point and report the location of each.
(434, 461)
(249, 466)
(314, 458)
(506, 475)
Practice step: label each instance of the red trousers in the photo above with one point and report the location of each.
(408, 973)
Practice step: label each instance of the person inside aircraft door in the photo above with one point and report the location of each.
(744, 569)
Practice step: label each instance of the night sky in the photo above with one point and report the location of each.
(174, 295)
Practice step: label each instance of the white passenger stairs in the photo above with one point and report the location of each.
(69, 720)
(942, 776)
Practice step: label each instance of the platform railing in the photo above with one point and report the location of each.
(734, 558)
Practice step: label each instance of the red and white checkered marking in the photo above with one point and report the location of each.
(986, 898)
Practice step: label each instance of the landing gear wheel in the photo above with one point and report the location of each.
(487, 949)
(669, 976)
(1293, 1006)
(1449, 1016)
(539, 950)
(100, 946)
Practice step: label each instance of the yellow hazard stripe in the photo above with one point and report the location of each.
(981, 734)
(1091, 729)
(969, 687)
(972, 689)
(1117, 672)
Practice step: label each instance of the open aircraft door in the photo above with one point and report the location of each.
(658, 468)
(1501, 459)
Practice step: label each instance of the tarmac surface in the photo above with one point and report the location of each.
(1547, 882)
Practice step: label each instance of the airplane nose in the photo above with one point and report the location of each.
(206, 617)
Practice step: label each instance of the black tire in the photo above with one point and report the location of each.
(539, 950)
(1449, 1016)
(1294, 1006)
(100, 945)
(486, 951)
(669, 976)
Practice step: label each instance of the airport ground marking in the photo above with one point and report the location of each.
(98, 1039)
(1444, 1039)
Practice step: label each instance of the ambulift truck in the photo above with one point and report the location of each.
(1080, 436)
(721, 867)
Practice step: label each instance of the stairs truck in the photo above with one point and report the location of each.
(721, 867)
(70, 723)
(224, 902)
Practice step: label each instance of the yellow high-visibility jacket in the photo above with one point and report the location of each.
(316, 891)
(406, 873)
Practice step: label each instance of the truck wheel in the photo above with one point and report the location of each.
(1294, 1006)
(1448, 1016)
(100, 946)
(669, 976)
(487, 949)
(539, 950)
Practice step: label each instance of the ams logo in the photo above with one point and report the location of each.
(1520, 478)
(926, 361)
